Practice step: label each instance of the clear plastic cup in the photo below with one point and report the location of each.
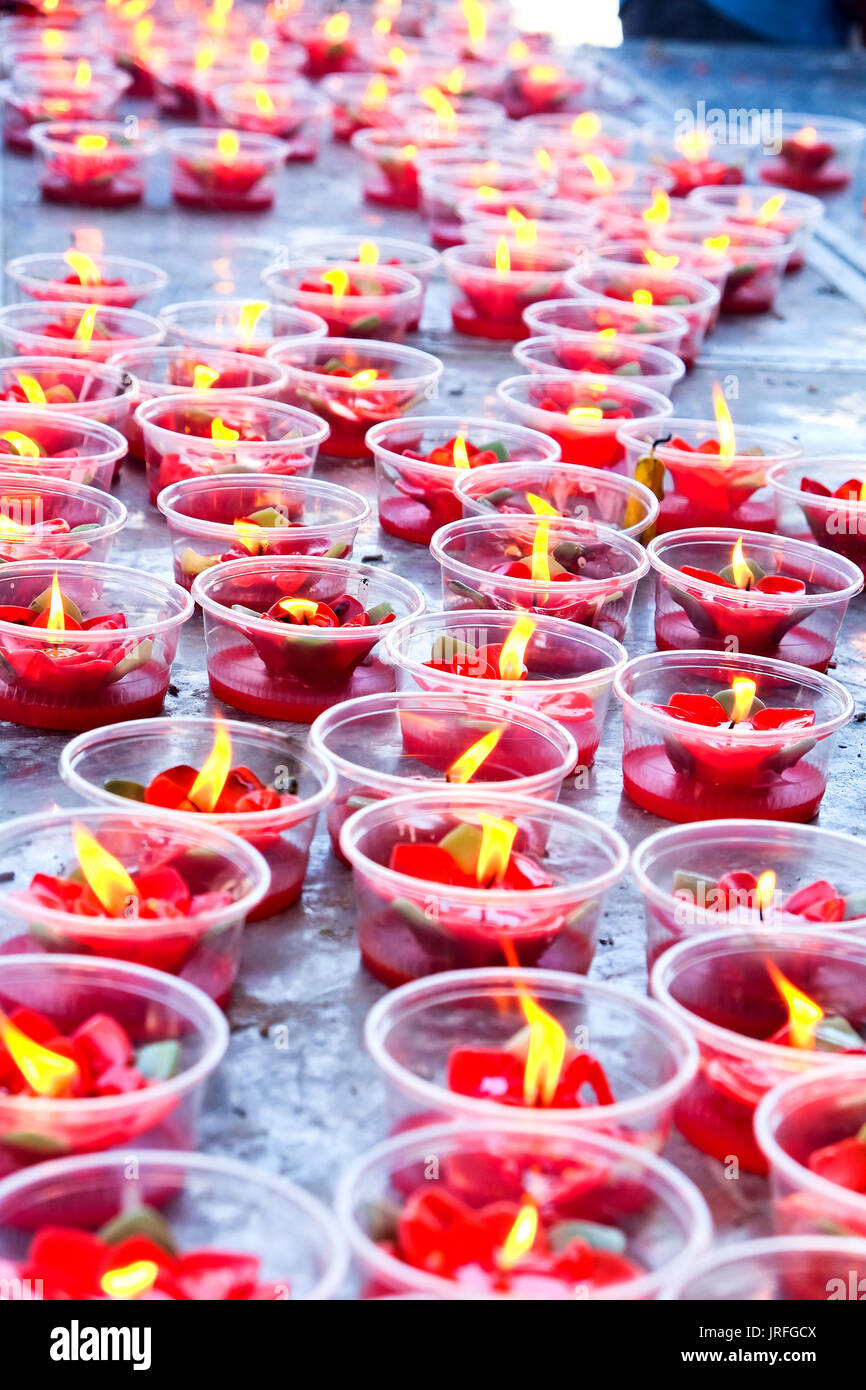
(355, 383)
(415, 495)
(389, 177)
(203, 947)
(446, 177)
(693, 160)
(664, 328)
(238, 325)
(692, 296)
(30, 106)
(805, 505)
(32, 517)
(293, 670)
(663, 1217)
(359, 101)
(49, 329)
(648, 1058)
(48, 275)
(721, 986)
(193, 435)
(583, 494)
(678, 871)
(409, 926)
(416, 257)
(292, 111)
(205, 177)
(751, 263)
(795, 214)
(569, 133)
(682, 770)
(818, 154)
(693, 256)
(206, 525)
(100, 392)
(584, 412)
(51, 444)
(108, 766)
(571, 353)
(703, 610)
(166, 371)
(387, 745)
(208, 1202)
(475, 557)
(703, 489)
(488, 302)
(577, 177)
(152, 1008)
(802, 1117)
(556, 221)
(776, 1269)
(376, 301)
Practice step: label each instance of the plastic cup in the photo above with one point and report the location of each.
(837, 523)
(48, 276)
(571, 353)
(30, 512)
(583, 412)
(53, 445)
(583, 494)
(47, 328)
(221, 323)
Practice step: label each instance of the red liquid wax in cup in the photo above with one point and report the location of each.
(166, 468)
(722, 493)
(397, 186)
(107, 177)
(576, 414)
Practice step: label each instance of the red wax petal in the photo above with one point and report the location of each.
(487, 1073)
(166, 884)
(216, 1275)
(737, 886)
(843, 1163)
(780, 584)
(812, 485)
(34, 1024)
(427, 862)
(818, 902)
(118, 1081)
(783, 718)
(169, 788)
(708, 576)
(104, 1042)
(71, 1257)
(698, 709)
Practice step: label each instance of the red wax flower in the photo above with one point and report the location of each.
(708, 495)
(135, 1257)
(698, 173)
(497, 1073)
(350, 418)
(805, 164)
(757, 628)
(460, 860)
(732, 763)
(342, 317)
(843, 1163)
(843, 531)
(309, 660)
(584, 408)
(420, 506)
(75, 669)
(606, 359)
(815, 902)
(38, 540)
(99, 1055)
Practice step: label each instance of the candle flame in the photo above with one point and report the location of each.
(207, 788)
(24, 446)
(337, 281)
(808, 135)
(642, 298)
(83, 73)
(502, 258)
(655, 258)
(455, 81)
(259, 52)
(540, 562)
(47, 1073)
(765, 890)
(105, 875)
(804, 1014)
(517, 53)
(742, 573)
(250, 536)
(222, 433)
(368, 253)
(717, 245)
(337, 27)
(476, 20)
(31, 388)
(128, 1281)
(56, 621)
(459, 456)
(248, 319)
(692, 146)
(585, 414)
(520, 1238)
(601, 175)
(607, 333)
(770, 209)
(366, 377)
(204, 57)
(586, 126)
(512, 666)
(83, 266)
(228, 143)
(375, 94)
(91, 144)
(727, 439)
(86, 324)
(52, 40)
(494, 852)
(659, 210)
(397, 56)
(299, 607)
(438, 103)
(203, 377)
(545, 1055)
(540, 505)
(264, 103)
(464, 768)
(543, 74)
(744, 689)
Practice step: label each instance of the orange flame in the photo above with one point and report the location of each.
(494, 852)
(31, 388)
(520, 1238)
(223, 434)
(366, 377)
(512, 666)
(86, 325)
(56, 621)
(744, 689)
(248, 319)
(105, 875)
(47, 1073)
(803, 1013)
(742, 573)
(207, 788)
(459, 456)
(25, 446)
(128, 1281)
(765, 890)
(464, 768)
(545, 1055)
(203, 377)
(727, 439)
(299, 607)
(83, 266)
(808, 135)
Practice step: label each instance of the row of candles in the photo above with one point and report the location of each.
(114, 964)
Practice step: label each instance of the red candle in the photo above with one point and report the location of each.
(842, 531)
(224, 173)
(97, 1059)
(493, 285)
(93, 166)
(415, 508)
(807, 161)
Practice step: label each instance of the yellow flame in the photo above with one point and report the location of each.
(455, 81)
(397, 56)
(203, 377)
(56, 621)
(765, 890)
(659, 210)
(601, 175)
(382, 25)
(259, 52)
(84, 267)
(204, 57)
(250, 536)
(540, 505)
(248, 319)
(643, 298)
(520, 1238)
(511, 658)
(128, 1281)
(31, 388)
(607, 333)
(207, 788)
(540, 562)
(338, 281)
(808, 135)
(586, 126)
(770, 209)
(803, 1013)
(438, 103)
(862, 497)
(543, 73)
(91, 144)
(365, 377)
(476, 20)
(518, 53)
(86, 324)
(52, 40)
(545, 1054)
(585, 414)
(10, 529)
(47, 1073)
(222, 433)
(228, 144)
(337, 27)
(264, 103)
(368, 253)
(104, 874)
(744, 695)
(655, 258)
(459, 456)
(502, 258)
(22, 443)
(741, 571)
(83, 73)
(409, 151)
(464, 768)
(716, 244)
(727, 439)
(299, 607)
(494, 852)
(693, 146)
(375, 94)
